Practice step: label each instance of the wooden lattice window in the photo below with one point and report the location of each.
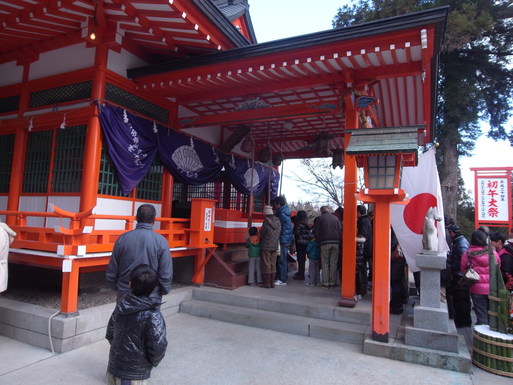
(63, 94)
(6, 150)
(69, 155)
(37, 162)
(238, 201)
(9, 103)
(258, 203)
(108, 183)
(205, 191)
(150, 187)
(135, 103)
(178, 191)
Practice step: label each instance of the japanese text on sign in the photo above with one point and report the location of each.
(208, 219)
(492, 202)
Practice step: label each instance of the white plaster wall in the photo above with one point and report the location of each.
(3, 206)
(184, 112)
(34, 203)
(68, 203)
(10, 73)
(120, 62)
(211, 134)
(62, 60)
(112, 207)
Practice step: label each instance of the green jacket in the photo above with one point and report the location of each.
(253, 245)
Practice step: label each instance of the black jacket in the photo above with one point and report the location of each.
(364, 229)
(327, 229)
(137, 336)
(302, 233)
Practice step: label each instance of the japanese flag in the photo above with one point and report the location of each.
(422, 185)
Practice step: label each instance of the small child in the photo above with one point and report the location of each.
(136, 332)
(313, 251)
(253, 245)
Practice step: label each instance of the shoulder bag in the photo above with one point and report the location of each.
(470, 276)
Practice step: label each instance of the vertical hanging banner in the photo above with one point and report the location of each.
(130, 142)
(492, 199)
(493, 195)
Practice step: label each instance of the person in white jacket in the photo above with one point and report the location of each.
(6, 238)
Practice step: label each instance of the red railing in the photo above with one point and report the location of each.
(81, 232)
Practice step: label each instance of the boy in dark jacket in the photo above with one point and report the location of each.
(136, 331)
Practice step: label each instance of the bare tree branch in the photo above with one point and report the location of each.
(319, 180)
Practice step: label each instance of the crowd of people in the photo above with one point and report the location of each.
(320, 241)
(462, 298)
(280, 233)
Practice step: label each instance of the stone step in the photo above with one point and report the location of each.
(225, 274)
(239, 266)
(29, 323)
(287, 323)
(398, 349)
(266, 300)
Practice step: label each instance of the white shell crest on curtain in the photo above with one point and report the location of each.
(247, 177)
(187, 160)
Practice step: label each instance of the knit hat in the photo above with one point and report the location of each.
(268, 210)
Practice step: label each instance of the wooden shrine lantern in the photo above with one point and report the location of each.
(382, 153)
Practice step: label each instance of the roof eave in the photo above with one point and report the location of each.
(221, 21)
(433, 16)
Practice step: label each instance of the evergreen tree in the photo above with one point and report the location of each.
(476, 75)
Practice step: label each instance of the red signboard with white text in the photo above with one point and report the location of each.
(493, 196)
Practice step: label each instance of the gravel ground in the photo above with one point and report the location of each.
(42, 287)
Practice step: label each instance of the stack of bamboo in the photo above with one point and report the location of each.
(493, 351)
(492, 345)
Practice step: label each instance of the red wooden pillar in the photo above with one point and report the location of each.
(69, 294)
(93, 143)
(381, 270)
(349, 230)
(17, 169)
(167, 195)
(90, 176)
(18, 157)
(381, 260)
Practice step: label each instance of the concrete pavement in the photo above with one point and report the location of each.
(204, 351)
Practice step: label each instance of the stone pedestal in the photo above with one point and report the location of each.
(430, 314)
(431, 327)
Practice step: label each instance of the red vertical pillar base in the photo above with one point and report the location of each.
(380, 337)
(199, 267)
(347, 302)
(69, 294)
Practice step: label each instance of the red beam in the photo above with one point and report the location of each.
(263, 114)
